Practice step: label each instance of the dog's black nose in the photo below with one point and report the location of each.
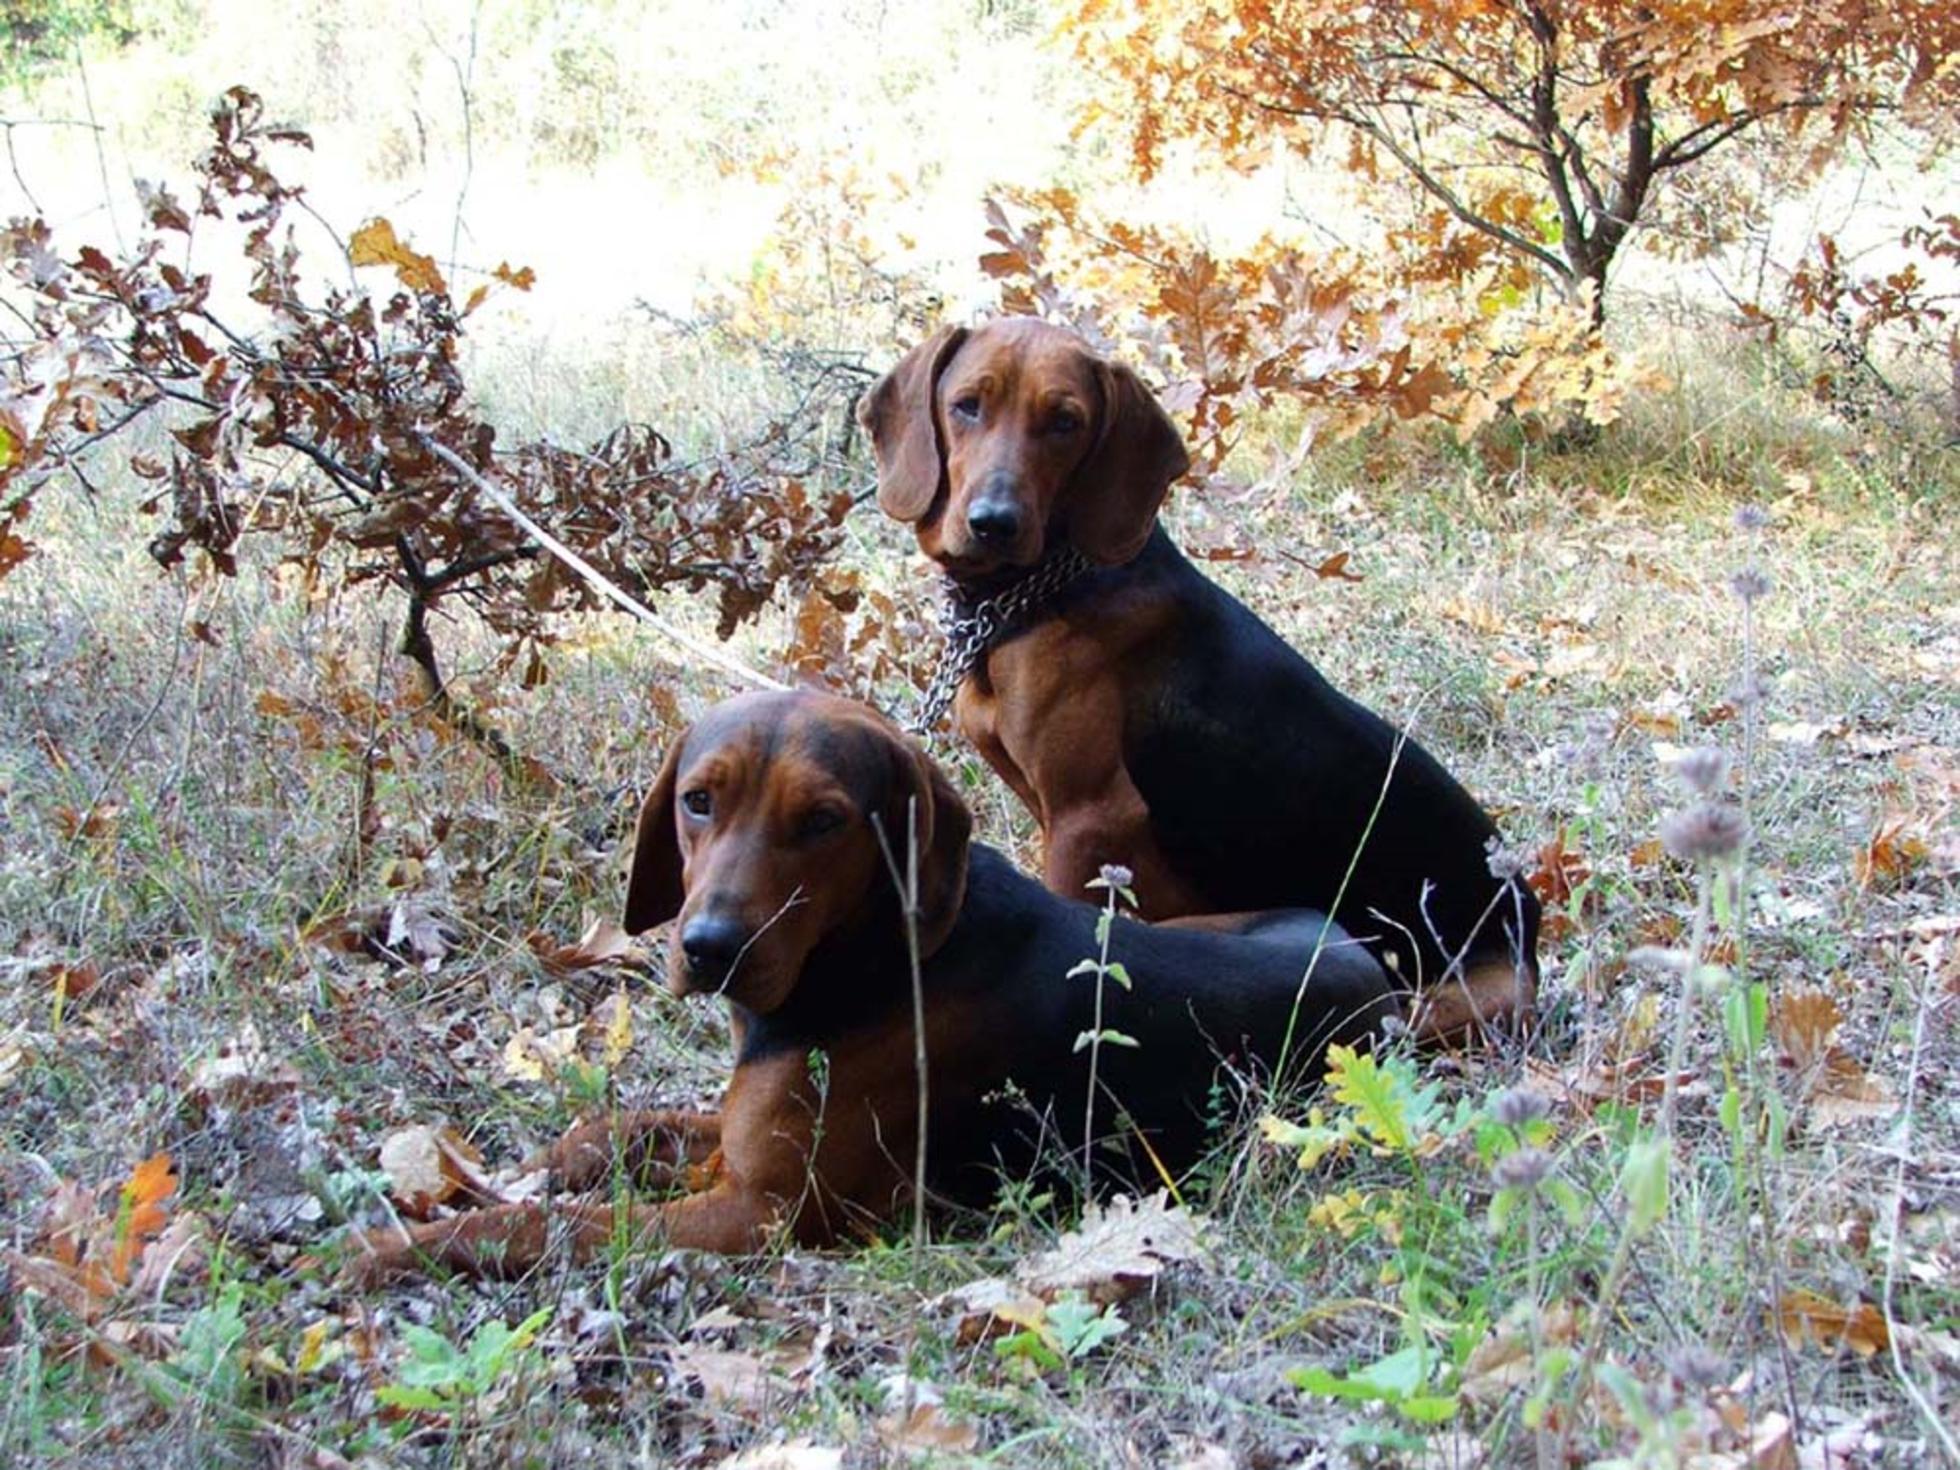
(994, 521)
(712, 943)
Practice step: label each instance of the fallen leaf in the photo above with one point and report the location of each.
(178, 1250)
(1656, 720)
(717, 1319)
(1837, 1089)
(1476, 616)
(1335, 568)
(1634, 1081)
(796, 1455)
(603, 943)
(619, 1030)
(1805, 1317)
(1504, 1360)
(990, 1307)
(243, 1074)
(1805, 732)
(426, 1166)
(1499, 1364)
(1933, 942)
(80, 1294)
(927, 1425)
(1845, 1093)
(1893, 851)
(142, 1212)
(1194, 1454)
(416, 933)
(532, 1058)
(729, 1379)
(1560, 872)
(1117, 1251)
(14, 1056)
(315, 1351)
(1772, 1446)
(74, 982)
(1804, 1023)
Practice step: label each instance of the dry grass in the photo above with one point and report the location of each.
(224, 809)
(1542, 633)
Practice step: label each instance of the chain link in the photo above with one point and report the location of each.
(972, 630)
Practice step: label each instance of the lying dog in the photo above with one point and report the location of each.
(1148, 718)
(761, 839)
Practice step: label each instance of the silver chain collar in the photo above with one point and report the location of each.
(972, 629)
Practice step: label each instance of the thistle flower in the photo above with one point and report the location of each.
(1704, 770)
(1750, 584)
(1751, 518)
(1526, 1169)
(1747, 691)
(1517, 1106)
(1115, 875)
(1692, 1365)
(1506, 864)
(1705, 832)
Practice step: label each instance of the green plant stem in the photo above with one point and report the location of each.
(907, 882)
(1095, 1038)
(1333, 908)
(1677, 1049)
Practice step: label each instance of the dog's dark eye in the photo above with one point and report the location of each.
(819, 821)
(699, 802)
(967, 407)
(1064, 422)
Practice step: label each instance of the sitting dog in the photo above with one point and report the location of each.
(1144, 715)
(771, 837)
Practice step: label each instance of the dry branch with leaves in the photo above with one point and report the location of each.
(312, 418)
(1539, 133)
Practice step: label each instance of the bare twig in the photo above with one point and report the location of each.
(1942, 1434)
(594, 579)
(907, 883)
(101, 157)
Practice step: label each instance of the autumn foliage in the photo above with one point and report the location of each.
(311, 418)
(1330, 338)
(1537, 135)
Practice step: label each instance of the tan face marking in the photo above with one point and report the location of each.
(1017, 409)
(775, 852)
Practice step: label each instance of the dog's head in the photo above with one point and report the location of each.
(761, 835)
(995, 442)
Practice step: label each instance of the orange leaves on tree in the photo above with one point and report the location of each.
(375, 243)
(518, 279)
(1226, 337)
(1542, 134)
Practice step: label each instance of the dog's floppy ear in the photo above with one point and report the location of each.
(1117, 490)
(653, 887)
(942, 828)
(898, 414)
